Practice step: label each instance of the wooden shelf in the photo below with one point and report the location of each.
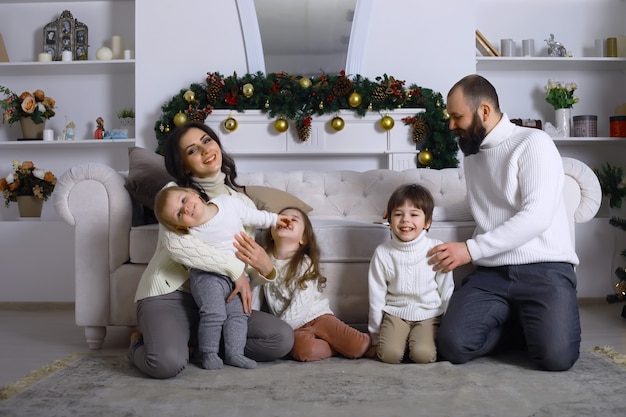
(588, 140)
(65, 144)
(118, 66)
(549, 64)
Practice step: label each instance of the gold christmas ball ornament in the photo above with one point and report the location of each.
(321, 105)
(189, 96)
(355, 99)
(305, 82)
(337, 123)
(281, 125)
(247, 90)
(267, 104)
(231, 124)
(425, 157)
(180, 119)
(387, 122)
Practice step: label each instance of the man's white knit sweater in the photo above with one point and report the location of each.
(401, 283)
(165, 272)
(515, 192)
(290, 303)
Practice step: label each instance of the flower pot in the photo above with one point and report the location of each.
(29, 206)
(128, 124)
(31, 130)
(562, 119)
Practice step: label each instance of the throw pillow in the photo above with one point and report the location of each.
(147, 175)
(273, 199)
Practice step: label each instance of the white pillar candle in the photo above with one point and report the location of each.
(66, 56)
(117, 46)
(128, 54)
(44, 57)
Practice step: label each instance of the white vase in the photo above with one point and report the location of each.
(562, 119)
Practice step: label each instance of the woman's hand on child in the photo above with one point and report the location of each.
(253, 254)
(242, 286)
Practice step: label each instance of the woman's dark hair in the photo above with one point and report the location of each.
(309, 247)
(415, 194)
(174, 159)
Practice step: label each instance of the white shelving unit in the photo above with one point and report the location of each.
(83, 90)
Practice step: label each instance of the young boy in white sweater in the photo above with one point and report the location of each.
(407, 298)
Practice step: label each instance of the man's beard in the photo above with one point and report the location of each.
(470, 139)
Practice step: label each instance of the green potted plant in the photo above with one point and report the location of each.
(127, 120)
(613, 184)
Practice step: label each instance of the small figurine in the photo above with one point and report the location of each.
(99, 133)
(68, 132)
(556, 49)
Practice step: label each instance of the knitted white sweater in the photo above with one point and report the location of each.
(515, 192)
(402, 283)
(290, 303)
(165, 272)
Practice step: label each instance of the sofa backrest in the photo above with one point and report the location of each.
(363, 195)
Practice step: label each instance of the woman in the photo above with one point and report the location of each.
(166, 312)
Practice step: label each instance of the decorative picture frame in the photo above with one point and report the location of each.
(66, 34)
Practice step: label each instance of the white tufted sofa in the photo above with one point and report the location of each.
(347, 214)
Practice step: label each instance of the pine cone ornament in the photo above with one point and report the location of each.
(197, 116)
(342, 87)
(213, 92)
(380, 93)
(303, 130)
(420, 129)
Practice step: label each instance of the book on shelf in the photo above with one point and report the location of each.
(484, 46)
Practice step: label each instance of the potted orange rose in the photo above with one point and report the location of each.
(30, 109)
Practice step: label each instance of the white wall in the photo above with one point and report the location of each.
(176, 45)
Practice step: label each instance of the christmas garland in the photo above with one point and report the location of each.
(298, 98)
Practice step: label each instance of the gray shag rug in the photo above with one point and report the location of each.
(506, 385)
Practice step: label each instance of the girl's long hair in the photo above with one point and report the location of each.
(310, 248)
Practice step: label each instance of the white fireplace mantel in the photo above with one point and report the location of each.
(361, 144)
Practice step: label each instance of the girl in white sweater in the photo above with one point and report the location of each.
(407, 298)
(295, 295)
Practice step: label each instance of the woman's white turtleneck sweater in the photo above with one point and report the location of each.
(165, 272)
(515, 192)
(401, 283)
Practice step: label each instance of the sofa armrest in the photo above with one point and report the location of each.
(92, 198)
(590, 190)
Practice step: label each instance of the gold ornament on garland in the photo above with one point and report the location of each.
(425, 157)
(231, 124)
(180, 119)
(387, 122)
(355, 99)
(281, 125)
(247, 90)
(189, 96)
(337, 123)
(305, 82)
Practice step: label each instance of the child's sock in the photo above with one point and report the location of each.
(240, 361)
(212, 361)
(136, 339)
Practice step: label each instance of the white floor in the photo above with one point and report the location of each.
(30, 339)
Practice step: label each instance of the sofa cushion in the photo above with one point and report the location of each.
(274, 200)
(147, 175)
